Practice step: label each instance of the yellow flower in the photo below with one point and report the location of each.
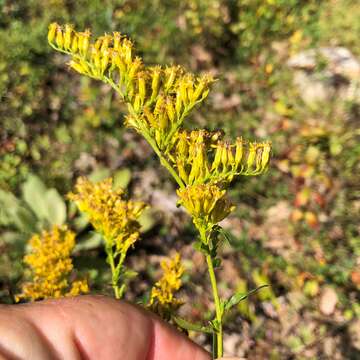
(162, 296)
(158, 98)
(203, 157)
(110, 214)
(206, 203)
(51, 266)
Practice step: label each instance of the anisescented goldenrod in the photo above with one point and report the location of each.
(50, 266)
(202, 162)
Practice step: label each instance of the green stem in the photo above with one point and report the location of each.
(164, 161)
(218, 334)
(115, 272)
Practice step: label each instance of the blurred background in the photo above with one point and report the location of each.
(288, 71)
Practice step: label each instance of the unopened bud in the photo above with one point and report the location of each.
(155, 83)
(117, 39)
(74, 44)
(59, 37)
(170, 110)
(52, 31)
(251, 156)
(68, 36)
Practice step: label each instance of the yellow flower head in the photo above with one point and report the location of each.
(202, 156)
(158, 97)
(205, 203)
(51, 266)
(162, 297)
(110, 214)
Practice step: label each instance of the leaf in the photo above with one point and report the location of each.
(56, 208)
(8, 205)
(192, 327)
(146, 220)
(33, 191)
(216, 262)
(99, 174)
(89, 241)
(200, 246)
(122, 178)
(13, 213)
(238, 297)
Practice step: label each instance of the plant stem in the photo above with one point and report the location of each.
(163, 160)
(114, 273)
(219, 333)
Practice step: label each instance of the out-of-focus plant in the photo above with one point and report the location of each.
(201, 162)
(248, 27)
(50, 266)
(116, 219)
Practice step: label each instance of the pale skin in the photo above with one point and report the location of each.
(89, 328)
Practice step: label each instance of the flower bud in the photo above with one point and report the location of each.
(155, 82)
(217, 158)
(170, 75)
(142, 87)
(127, 51)
(59, 37)
(68, 36)
(84, 41)
(134, 68)
(238, 151)
(251, 157)
(170, 110)
(178, 104)
(224, 158)
(104, 61)
(52, 31)
(265, 156)
(117, 39)
(74, 44)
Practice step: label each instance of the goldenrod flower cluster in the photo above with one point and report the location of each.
(51, 266)
(158, 98)
(158, 101)
(204, 157)
(115, 218)
(162, 298)
(207, 204)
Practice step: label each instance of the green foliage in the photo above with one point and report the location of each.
(38, 209)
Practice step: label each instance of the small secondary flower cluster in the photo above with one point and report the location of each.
(162, 297)
(115, 218)
(51, 266)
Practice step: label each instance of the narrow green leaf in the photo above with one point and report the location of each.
(238, 297)
(192, 327)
